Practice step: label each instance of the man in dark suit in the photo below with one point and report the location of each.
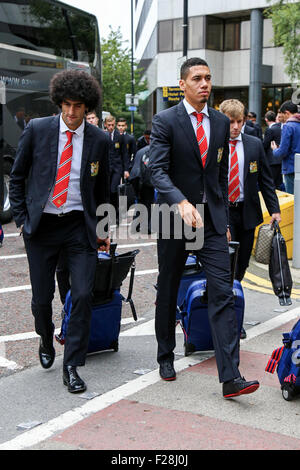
(248, 170)
(189, 166)
(143, 140)
(257, 127)
(63, 163)
(129, 140)
(273, 132)
(118, 160)
(248, 126)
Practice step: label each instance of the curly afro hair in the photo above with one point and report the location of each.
(75, 85)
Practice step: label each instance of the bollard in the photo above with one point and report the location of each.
(296, 241)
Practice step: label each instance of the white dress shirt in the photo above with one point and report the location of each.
(241, 161)
(205, 124)
(74, 201)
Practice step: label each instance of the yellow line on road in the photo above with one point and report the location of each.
(264, 289)
(260, 281)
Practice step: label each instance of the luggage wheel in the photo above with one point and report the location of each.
(189, 348)
(289, 392)
(115, 345)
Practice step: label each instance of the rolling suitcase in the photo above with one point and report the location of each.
(193, 313)
(105, 325)
(1, 235)
(286, 360)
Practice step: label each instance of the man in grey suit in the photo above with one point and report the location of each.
(189, 166)
(64, 162)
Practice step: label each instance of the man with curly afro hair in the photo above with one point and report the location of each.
(64, 160)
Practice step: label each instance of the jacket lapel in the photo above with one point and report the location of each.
(185, 123)
(87, 141)
(54, 134)
(247, 156)
(213, 129)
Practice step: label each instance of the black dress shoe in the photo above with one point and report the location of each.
(239, 386)
(167, 371)
(72, 380)
(46, 353)
(243, 334)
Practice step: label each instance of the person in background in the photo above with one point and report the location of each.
(289, 143)
(59, 178)
(118, 160)
(257, 127)
(273, 133)
(92, 118)
(129, 139)
(248, 170)
(248, 126)
(143, 140)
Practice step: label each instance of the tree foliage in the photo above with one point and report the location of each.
(285, 17)
(116, 75)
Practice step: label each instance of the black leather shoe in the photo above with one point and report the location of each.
(46, 353)
(238, 387)
(72, 380)
(167, 371)
(243, 334)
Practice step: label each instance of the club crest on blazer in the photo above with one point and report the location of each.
(94, 168)
(253, 167)
(117, 145)
(220, 154)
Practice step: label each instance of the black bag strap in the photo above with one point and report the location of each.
(130, 289)
(235, 246)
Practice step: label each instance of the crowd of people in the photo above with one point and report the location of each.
(196, 156)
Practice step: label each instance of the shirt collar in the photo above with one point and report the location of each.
(239, 137)
(190, 110)
(63, 127)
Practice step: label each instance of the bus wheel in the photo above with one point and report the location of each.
(6, 213)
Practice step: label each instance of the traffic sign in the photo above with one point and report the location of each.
(132, 108)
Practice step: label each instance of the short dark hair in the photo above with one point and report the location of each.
(147, 132)
(252, 114)
(184, 69)
(121, 119)
(75, 85)
(288, 106)
(270, 116)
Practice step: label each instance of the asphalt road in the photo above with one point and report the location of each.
(31, 395)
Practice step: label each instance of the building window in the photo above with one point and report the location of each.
(165, 36)
(245, 35)
(214, 33)
(177, 35)
(232, 35)
(196, 32)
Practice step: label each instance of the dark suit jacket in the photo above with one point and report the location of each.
(118, 154)
(249, 130)
(176, 166)
(36, 161)
(272, 133)
(257, 175)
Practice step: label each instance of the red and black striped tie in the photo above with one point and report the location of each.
(201, 138)
(234, 182)
(60, 191)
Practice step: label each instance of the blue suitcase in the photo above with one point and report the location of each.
(194, 316)
(1, 235)
(105, 325)
(286, 360)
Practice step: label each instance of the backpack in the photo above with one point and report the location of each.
(286, 360)
(145, 173)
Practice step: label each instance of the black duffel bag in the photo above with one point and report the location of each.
(111, 271)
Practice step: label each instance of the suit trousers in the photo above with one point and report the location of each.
(54, 235)
(244, 237)
(214, 257)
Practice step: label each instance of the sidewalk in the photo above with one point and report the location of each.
(187, 414)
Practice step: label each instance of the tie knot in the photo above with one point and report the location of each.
(233, 142)
(199, 116)
(69, 135)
